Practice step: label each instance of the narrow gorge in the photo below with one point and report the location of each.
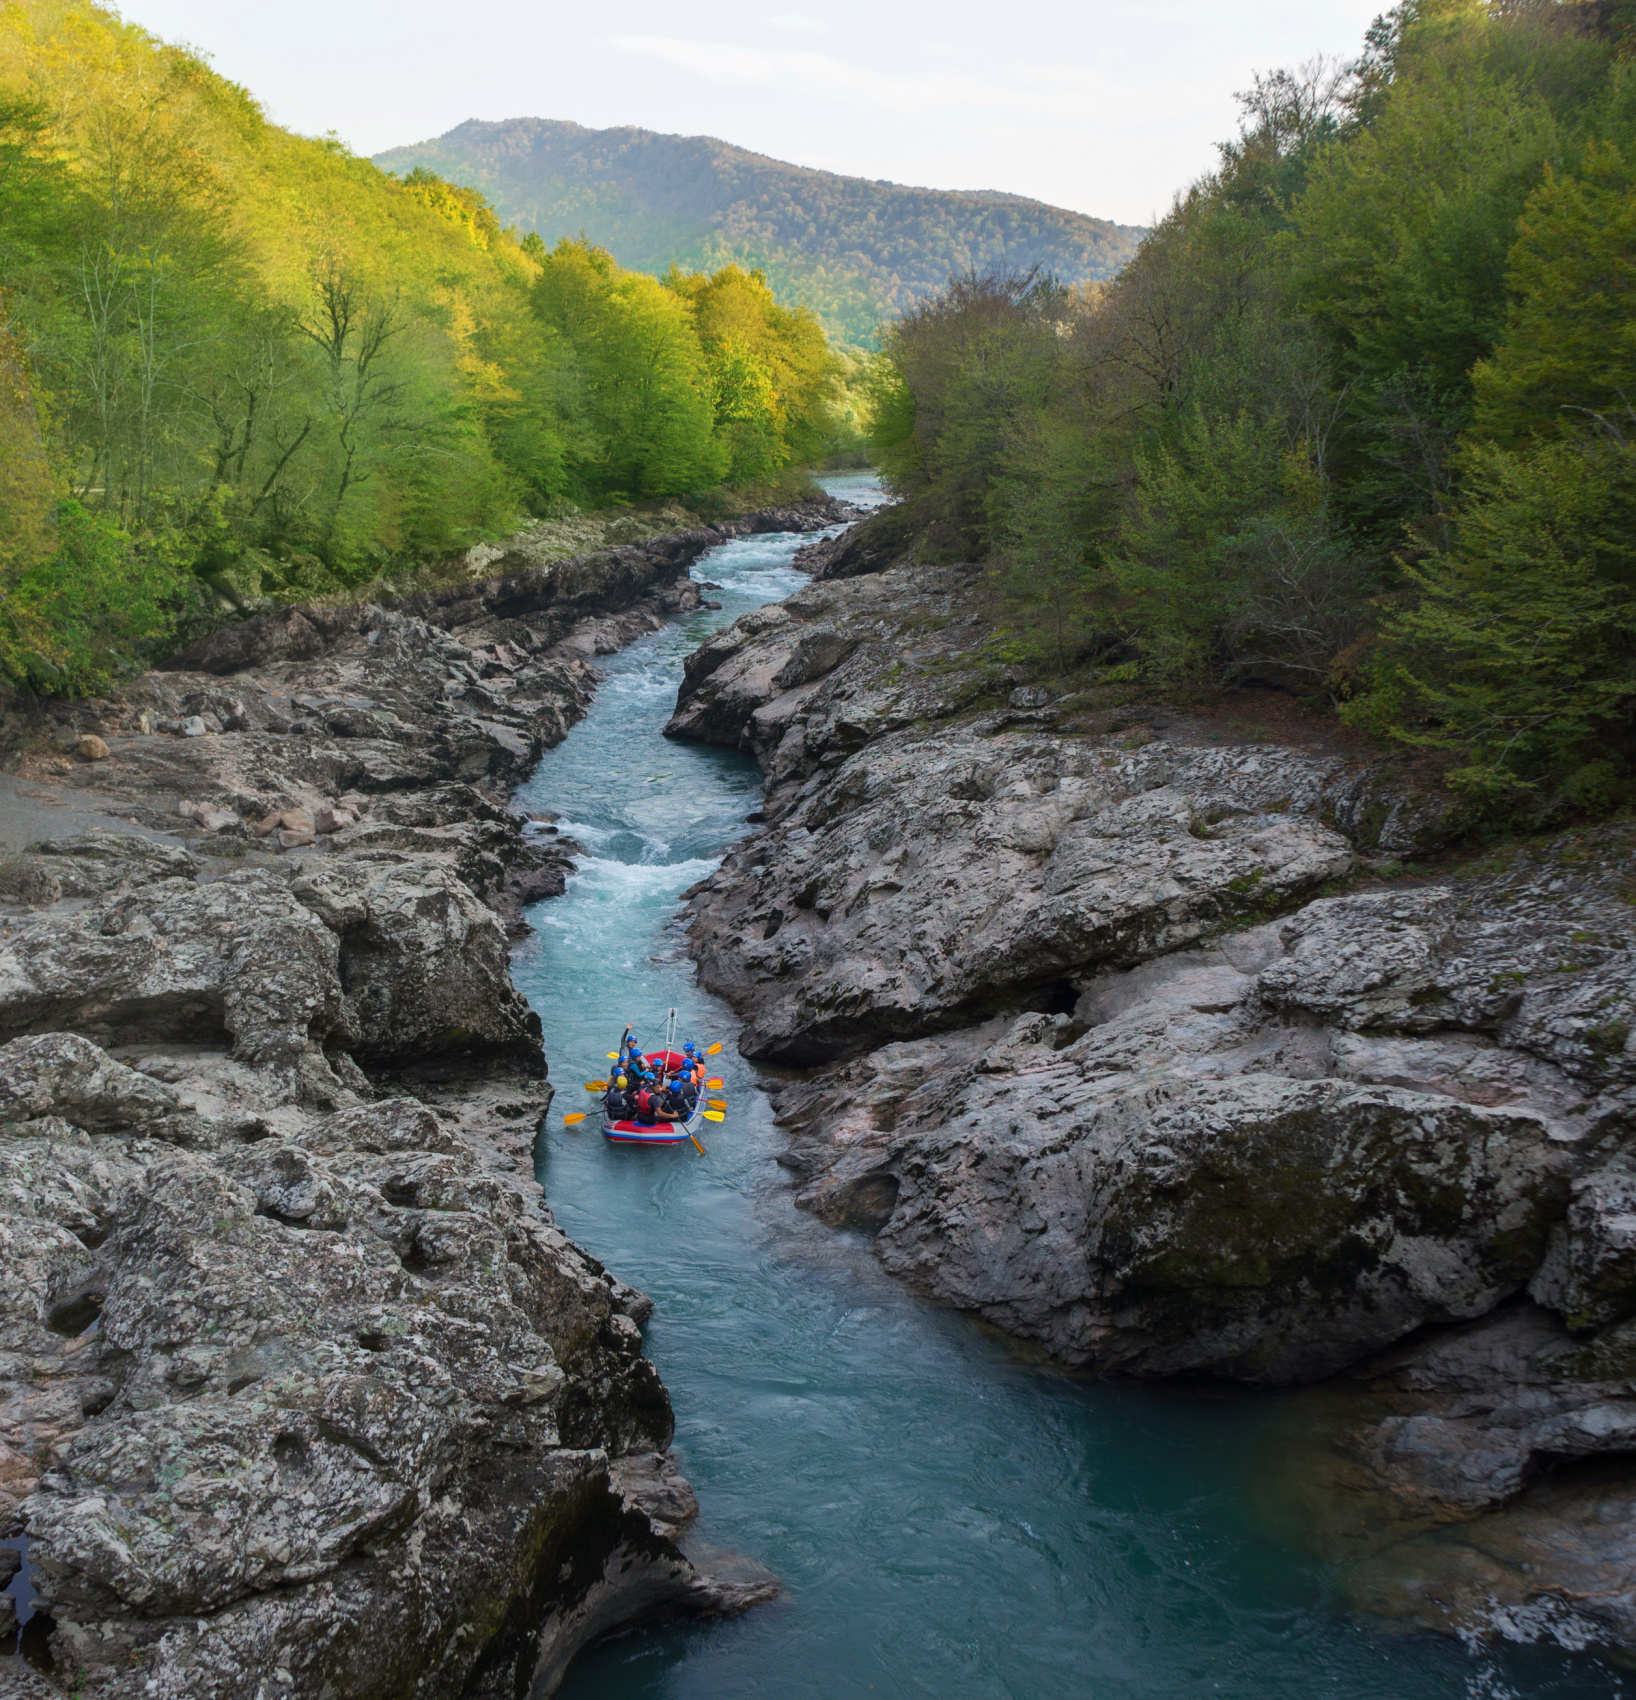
(301, 1388)
(1168, 1236)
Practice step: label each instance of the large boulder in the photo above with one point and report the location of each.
(1262, 1229)
(239, 958)
(937, 879)
(341, 1378)
(65, 1075)
(1270, 1155)
(424, 963)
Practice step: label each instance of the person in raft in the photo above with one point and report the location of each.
(649, 1093)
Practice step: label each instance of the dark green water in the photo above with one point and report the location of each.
(948, 1518)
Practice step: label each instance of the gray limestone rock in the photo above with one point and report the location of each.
(334, 1360)
(425, 964)
(1107, 1058)
(300, 1385)
(63, 1074)
(1264, 1229)
(935, 878)
(1589, 1276)
(238, 957)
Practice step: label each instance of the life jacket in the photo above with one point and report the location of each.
(644, 1102)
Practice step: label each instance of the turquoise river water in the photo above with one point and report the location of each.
(948, 1517)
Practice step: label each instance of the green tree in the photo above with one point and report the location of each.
(635, 373)
(1569, 345)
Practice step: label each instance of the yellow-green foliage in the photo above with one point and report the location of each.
(776, 384)
(257, 361)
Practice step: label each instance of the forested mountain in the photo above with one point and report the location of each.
(236, 358)
(851, 249)
(1358, 420)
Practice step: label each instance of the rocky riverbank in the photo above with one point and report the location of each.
(1190, 1051)
(301, 1389)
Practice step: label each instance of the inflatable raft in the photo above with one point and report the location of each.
(657, 1133)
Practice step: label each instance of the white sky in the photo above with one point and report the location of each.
(1106, 106)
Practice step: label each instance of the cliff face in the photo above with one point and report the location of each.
(299, 1381)
(1187, 1053)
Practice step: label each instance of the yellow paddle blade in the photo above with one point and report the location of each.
(716, 1103)
(715, 1085)
(701, 1150)
(613, 1056)
(572, 1121)
(596, 1086)
(711, 1050)
(714, 1116)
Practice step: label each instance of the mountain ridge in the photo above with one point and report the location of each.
(851, 248)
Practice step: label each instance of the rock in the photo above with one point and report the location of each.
(298, 1375)
(295, 820)
(1364, 961)
(63, 1074)
(882, 540)
(1065, 1180)
(93, 863)
(934, 878)
(25, 880)
(1029, 696)
(1128, 1037)
(92, 748)
(240, 959)
(424, 962)
(328, 1375)
(1589, 1276)
(1266, 1230)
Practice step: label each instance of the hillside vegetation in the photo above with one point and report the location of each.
(237, 363)
(851, 249)
(1358, 421)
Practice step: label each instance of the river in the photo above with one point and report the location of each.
(949, 1516)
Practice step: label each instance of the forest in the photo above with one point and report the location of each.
(854, 250)
(1358, 421)
(237, 363)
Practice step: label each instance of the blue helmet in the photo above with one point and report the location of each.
(691, 1049)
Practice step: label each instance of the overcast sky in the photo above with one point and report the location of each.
(1106, 106)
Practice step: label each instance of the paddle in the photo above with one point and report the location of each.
(711, 1050)
(716, 1103)
(613, 1056)
(695, 1138)
(714, 1116)
(715, 1085)
(596, 1086)
(573, 1121)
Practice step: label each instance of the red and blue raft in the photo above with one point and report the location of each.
(657, 1133)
